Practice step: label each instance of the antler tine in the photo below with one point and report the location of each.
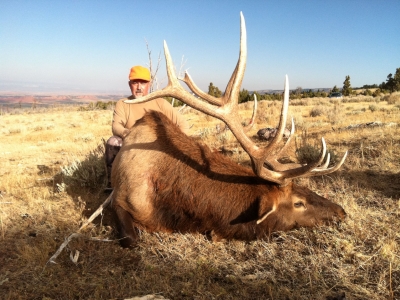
(326, 164)
(274, 164)
(284, 148)
(253, 117)
(195, 89)
(260, 156)
(234, 82)
(281, 174)
(282, 121)
(233, 87)
(231, 94)
(302, 171)
(322, 171)
(172, 78)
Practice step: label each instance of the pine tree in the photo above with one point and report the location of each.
(244, 96)
(214, 91)
(396, 78)
(346, 91)
(335, 89)
(390, 83)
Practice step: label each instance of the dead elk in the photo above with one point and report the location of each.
(166, 181)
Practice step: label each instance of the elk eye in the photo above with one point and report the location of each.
(299, 204)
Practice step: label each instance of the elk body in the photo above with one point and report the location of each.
(166, 181)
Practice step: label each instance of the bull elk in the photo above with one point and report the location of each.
(167, 181)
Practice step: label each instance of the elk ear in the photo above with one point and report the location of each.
(266, 213)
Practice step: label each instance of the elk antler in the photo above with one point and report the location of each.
(264, 160)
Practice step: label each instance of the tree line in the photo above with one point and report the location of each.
(392, 84)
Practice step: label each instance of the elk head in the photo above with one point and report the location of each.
(288, 205)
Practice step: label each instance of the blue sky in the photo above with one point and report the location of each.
(89, 46)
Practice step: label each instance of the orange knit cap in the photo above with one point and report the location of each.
(139, 72)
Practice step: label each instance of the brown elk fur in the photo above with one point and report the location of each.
(166, 181)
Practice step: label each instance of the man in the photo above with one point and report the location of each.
(126, 115)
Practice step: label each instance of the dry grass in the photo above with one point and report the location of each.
(43, 200)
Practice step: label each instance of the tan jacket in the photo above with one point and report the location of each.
(126, 115)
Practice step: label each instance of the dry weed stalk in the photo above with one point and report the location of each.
(78, 233)
(153, 70)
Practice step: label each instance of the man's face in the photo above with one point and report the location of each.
(139, 87)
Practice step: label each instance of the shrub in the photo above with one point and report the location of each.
(300, 102)
(367, 92)
(316, 111)
(15, 130)
(334, 114)
(373, 108)
(38, 128)
(85, 138)
(262, 117)
(99, 105)
(249, 105)
(205, 133)
(88, 173)
(307, 154)
(392, 98)
(376, 93)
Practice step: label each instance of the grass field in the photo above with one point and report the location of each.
(52, 177)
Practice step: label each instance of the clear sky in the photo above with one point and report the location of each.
(89, 46)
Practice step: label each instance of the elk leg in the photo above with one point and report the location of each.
(127, 232)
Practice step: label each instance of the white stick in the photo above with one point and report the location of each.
(77, 234)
